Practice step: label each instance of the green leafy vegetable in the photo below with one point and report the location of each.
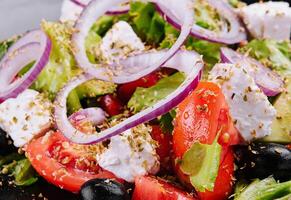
(201, 163)
(91, 43)
(20, 167)
(166, 121)
(61, 64)
(9, 158)
(266, 189)
(95, 88)
(5, 45)
(206, 16)
(146, 97)
(273, 54)
(146, 22)
(209, 50)
(24, 173)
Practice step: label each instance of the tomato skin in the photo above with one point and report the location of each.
(63, 176)
(164, 149)
(126, 90)
(202, 115)
(225, 179)
(151, 188)
(111, 104)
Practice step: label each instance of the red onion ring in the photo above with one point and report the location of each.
(269, 81)
(118, 10)
(33, 46)
(96, 9)
(188, 62)
(234, 35)
(95, 115)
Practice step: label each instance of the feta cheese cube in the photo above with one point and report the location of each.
(250, 109)
(131, 154)
(119, 42)
(25, 116)
(271, 20)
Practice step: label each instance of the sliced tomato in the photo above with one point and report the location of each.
(164, 149)
(111, 104)
(125, 91)
(151, 188)
(201, 116)
(64, 164)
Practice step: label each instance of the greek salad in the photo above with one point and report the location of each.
(150, 100)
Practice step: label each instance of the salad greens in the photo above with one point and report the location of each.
(201, 162)
(5, 45)
(20, 167)
(24, 173)
(62, 66)
(146, 97)
(147, 23)
(274, 54)
(206, 16)
(166, 121)
(266, 189)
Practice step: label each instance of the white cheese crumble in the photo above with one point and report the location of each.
(271, 20)
(25, 116)
(131, 154)
(250, 109)
(119, 42)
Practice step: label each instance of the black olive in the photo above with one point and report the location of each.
(260, 160)
(103, 189)
(6, 145)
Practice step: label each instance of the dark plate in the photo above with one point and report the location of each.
(39, 191)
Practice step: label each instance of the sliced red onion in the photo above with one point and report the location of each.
(95, 115)
(236, 33)
(269, 81)
(33, 46)
(188, 62)
(117, 10)
(97, 8)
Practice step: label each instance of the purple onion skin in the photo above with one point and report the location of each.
(32, 74)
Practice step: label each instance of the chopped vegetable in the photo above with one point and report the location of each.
(147, 23)
(24, 173)
(146, 97)
(59, 69)
(266, 189)
(201, 163)
(274, 54)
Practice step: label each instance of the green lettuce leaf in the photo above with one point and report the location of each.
(201, 163)
(166, 121)
(5, 45)
(266, 189)
(24, 173)
(146, 97)
(62, 66)
(19, 167)
(95, 88)
(146, 22)
(274, 54)
(209, 50)
(61, 63)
